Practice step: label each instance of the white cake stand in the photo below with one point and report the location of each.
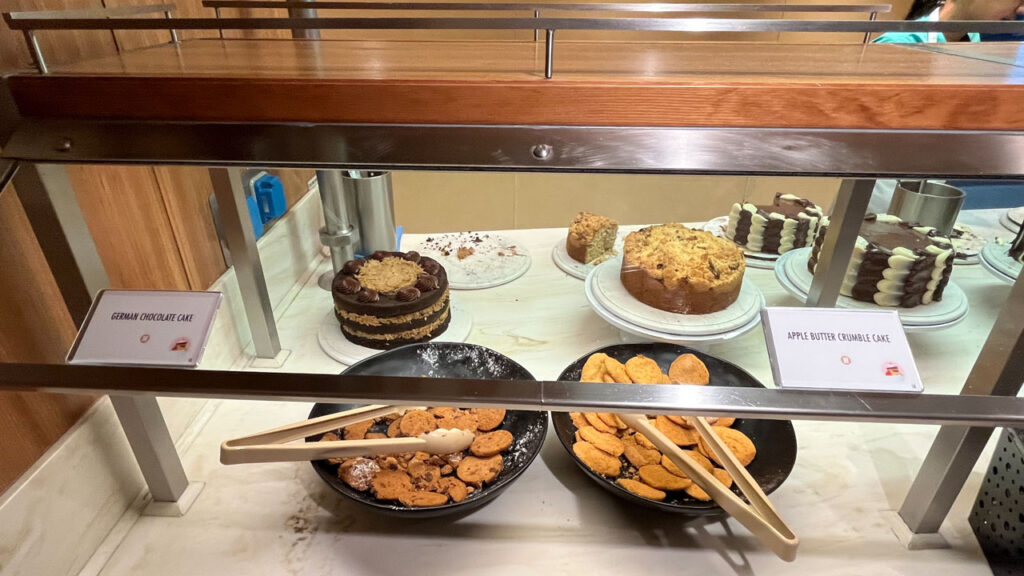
(794, 276)
(997, 261)
(495, 260)
(335, 345)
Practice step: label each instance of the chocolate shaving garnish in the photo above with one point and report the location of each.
(368, 295)
(349, 285)
(427, 282)
(407, 294)
(353, 266)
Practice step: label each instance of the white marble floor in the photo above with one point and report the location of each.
(281, 519)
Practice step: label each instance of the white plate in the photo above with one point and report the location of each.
(574, 267)
(794, 276)
(1016, 215)
(635, 330)
(613, 296)
(995, 259)
(1007, 223)
(335, 345)
(496, 260)
(759, 260)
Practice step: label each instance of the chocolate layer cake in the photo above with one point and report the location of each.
(894, 263)
(391, 299)
(790, 222)
(674, 268)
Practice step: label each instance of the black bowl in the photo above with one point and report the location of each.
(445, 360)
(775, 439)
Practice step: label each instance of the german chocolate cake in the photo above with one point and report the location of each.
(894, 263)
(391, 299)
(674, 268)
(591, 237)
(790, 222)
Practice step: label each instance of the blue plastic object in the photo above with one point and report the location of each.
(981, 194)
(1011, 37)
(254, 215)
(270, 197)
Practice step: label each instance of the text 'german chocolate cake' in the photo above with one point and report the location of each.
(790, 222)
(391, 299)
(893, 263)
(676, 269)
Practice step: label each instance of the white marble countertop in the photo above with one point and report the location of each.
(282, 519)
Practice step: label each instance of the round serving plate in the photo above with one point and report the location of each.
(759, 260)
(444, 360)
(495, 259)
(574, 267)
(609, 292)
(1007, 222)
(995, 259)
(775, 440)
(339, 348)
(794, 276)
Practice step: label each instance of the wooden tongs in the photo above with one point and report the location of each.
(273, 445)
(760, 517)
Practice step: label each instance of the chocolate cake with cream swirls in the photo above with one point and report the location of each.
(894, 263)
(790, 222)
(391, 299)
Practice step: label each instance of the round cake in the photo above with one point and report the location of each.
(676, 269)
(790, 222)
(391, 299)
(894, 263)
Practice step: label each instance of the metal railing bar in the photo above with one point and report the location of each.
(664, 7)
(90, 13)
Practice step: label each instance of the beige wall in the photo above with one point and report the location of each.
(456, 201)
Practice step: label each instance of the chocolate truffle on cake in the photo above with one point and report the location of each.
(391, 299)
(790, 222)
(674, 268)
(893, 263)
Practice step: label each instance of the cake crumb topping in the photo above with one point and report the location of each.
(586, 225)
(389, 275)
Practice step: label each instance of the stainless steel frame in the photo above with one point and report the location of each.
(834, 257)
(741, 151)
(659, 7)
(50, 204)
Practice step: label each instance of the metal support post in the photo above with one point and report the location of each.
(549, 52)
(35, 51)
(871, 18)
(245, 257)
(536, 33)
(998, 371)
(844, 226)
(339, 233)
(174, 33)
(307, 34)
(216, 15)
(50, 204)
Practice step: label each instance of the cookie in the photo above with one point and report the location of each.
(593, 368)
(619, 423)
(671, 467)
(467, 422)
(597, 460)
(644, 441)
(416, 422)
(391, 484)
(610, 419)
(723, 422)
(358, 430)
(607, 379)
(358, 472)
(329, 437)
(423, 499)
(697, 492)
(454, 488)
(394, 429)
(473, 470)
(678, 420)
(643, 370)
(688, 369)
(594, 420)
(638, 455)
(488, 419)
(374, 436)
(723, 477)
(578, 420)
(443, 412)
(656, 476)
(487, 445)
(641, 489)
(677, 434)
(606, 442)
(700, 459)
(737, 442)
(617, 370)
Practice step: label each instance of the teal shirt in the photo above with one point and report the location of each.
(918, 37)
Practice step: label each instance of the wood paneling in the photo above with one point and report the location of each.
(841, 86)
(35, 327)
(186, 193)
